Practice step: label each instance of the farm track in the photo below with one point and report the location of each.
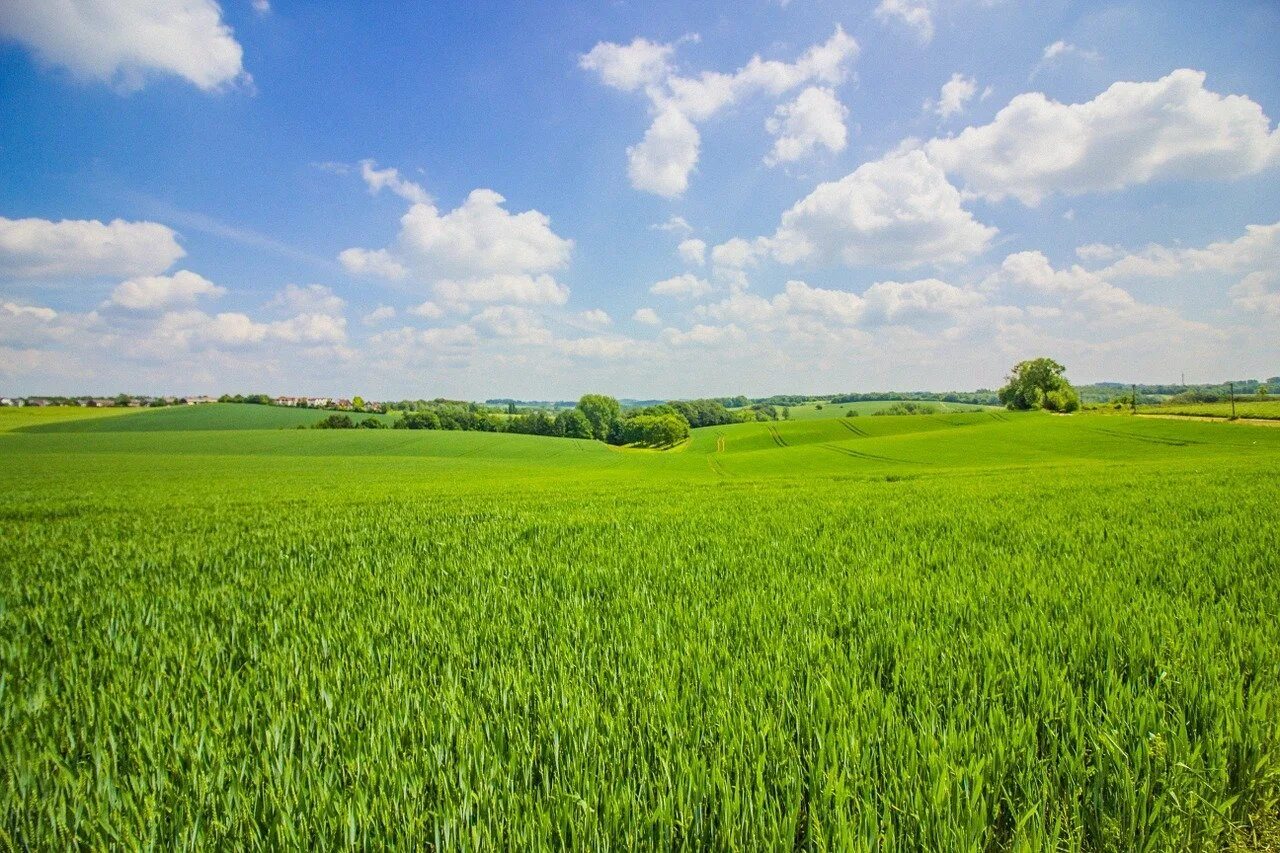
(858, 454)
(777, 436)
(1271, 422)
(1149, 439)
(856, 430)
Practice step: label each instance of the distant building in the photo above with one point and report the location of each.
(290, 401)
(195, 401)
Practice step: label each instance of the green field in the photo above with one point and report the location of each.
(206, 416)
(810, 411)
(23, 417)
(950, 632)
(1264, 409)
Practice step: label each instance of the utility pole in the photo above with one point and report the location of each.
(1184, 379)
(1233, 399)
(1133, 400)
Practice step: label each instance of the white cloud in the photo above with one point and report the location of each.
(901, 301)
(188, 329)
(1059, 50)
(674, 223)
(1257, 249)
(503, 287)
(40, 248)
(1098, 252)
(262, 7)
(125, 41)
(955, 93)
(377, 263)
(308, 299)
(647, 316)
(1258, 292)
(518, 325)
(597, 348)
(428, 309)
(703, 335)
(814, 118)
(594, 318)
(390, 179)
(378, 315)
(629, 67)
(1130, 134)
(686, 285)
(478, 252)
(693, 252)
(899, 211)
(34, 312)
(661, 163)
(915, 14)
(479, 237)
(148, 293)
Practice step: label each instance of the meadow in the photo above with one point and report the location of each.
(961, 631)
(1246, 408)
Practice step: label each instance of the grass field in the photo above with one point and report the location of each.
(23, 417)
(207, 416)
(950, 632)
(1264, 409)
(810, 411)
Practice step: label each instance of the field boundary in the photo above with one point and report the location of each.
(1217, 419)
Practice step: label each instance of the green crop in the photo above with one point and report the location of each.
(950, 632)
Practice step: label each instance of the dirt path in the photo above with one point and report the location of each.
(1207, 418)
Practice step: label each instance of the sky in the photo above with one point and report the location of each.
(649, 199)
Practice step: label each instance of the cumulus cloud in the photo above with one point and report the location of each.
(428, 309)
(503, 287)
(477, 252)
(682, 286)
(594, 318)
(1257, 249)
(308, 299)
(124, 41)
(915, 14)
(675, 224)
(899, 211)
(629, 67)
(953, 97)
(390, 179)
(378, 315)
(194, 329)
(647, 316)
(149, 293)
(1132, 133)
(40, 248)
(1258, 292)
(375, 263)
(693, 252)
(814, 118)
(1060, 50)
(662, 162)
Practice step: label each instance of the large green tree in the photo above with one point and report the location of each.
(1039, 383)
(572, 423)
(603, 412)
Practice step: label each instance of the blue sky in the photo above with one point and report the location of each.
(648, 199)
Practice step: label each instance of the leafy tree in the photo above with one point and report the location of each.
(372, 423)
(1263, 391)
(357, 403)
(336, 421)
(573, 423)
(601, 412)
(1032, 382)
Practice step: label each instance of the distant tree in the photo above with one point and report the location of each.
(1039, 383)
(357, 403)
(419, 420)
(336, 421)
(851, 413)
(601, 412)
(1263, 391)
(786, 413)
(818, 407)
(121, 400)
(573, 423)
(372, 423)
(511, 408)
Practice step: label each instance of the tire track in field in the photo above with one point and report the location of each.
(858, 454)
(999, 416)
(1149, 439)
(777, 437)
(856, 430)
